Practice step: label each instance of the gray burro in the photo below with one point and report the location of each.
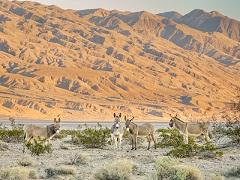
(48, 132)
(190, 128)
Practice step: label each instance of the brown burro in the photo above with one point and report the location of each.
(47, 133)
(135, 130)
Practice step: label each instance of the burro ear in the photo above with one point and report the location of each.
(120, 114)
(59, 119)
(55, 120)
(114, 114)
(125, 118)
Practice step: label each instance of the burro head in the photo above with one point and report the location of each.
(172, 120)
(56, 125)
(127, 122)
(117, 118)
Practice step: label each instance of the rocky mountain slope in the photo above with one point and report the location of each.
(88, 64)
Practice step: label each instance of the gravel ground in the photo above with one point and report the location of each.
(143, 159)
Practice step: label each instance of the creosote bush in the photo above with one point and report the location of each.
(13, 136)
(38, 146)
(18, 173)
(118, 170)
(172, 138)
(169, 137)
(93, 138)
(168, 168)
(193, 149)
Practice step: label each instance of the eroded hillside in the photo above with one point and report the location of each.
(88, 64)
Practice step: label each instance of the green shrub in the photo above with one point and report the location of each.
(118, 170)
(93, 138)
(26, 161)
(13, 136)
(168, 168)
(172, 138)
(234, 172)
(3, 146)
(61, 170)
(18, 173)
(193, 149)
(169, 137)
(38, 146)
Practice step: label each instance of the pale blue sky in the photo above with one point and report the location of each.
(229, 8)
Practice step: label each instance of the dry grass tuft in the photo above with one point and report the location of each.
(18, 173)
(26, 161)
(216, 177)
(169, 168)
(118, 170)
(3, 146)
(61, 170)
(79, 159)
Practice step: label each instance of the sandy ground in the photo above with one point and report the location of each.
(143, 159)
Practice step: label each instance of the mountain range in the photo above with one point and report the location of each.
(88, 64)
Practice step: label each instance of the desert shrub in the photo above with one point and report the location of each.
(168, 168)
(234, 172)
(26, 161)
(232, 130)
(61, 170)
(38, 146)
(118, 170)
(79, 159)
(19, 173)
(188, 172)
(169, 137)
(13, 136)
(231, 117)
(164, 166)
(172, 138)
(93, 138)
(192, 149)
(3, 146)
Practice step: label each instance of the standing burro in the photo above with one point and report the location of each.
(48, 132)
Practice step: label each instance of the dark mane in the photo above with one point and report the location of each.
(179, 119)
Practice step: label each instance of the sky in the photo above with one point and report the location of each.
(229, 8)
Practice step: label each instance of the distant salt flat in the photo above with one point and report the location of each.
(76, 124)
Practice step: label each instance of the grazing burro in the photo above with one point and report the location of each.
(117, 131)
(135, 130)
(187, 129)
(48, 132)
